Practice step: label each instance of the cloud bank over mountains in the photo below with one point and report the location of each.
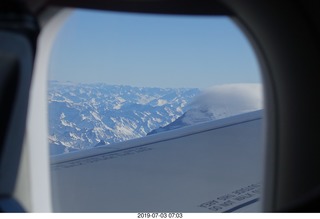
(229, 99)
(217, 102)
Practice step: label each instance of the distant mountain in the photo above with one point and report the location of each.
(191, 117)
(83, 116)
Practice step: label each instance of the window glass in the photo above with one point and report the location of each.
(169, 106)
(116, 77)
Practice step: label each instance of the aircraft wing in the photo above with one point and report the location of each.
(211, 167)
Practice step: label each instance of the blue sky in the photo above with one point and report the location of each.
(152, 51)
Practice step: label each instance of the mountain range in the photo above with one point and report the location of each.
(82, 116)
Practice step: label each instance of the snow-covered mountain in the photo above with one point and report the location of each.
(83, 116)
(191, 117)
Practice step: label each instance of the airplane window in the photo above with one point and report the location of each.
(116, 77)
(119, 83)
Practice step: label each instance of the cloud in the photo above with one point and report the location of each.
(230, 99)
